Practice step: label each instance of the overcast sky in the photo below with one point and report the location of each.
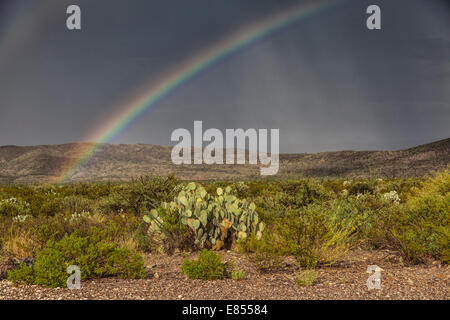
(327, 82)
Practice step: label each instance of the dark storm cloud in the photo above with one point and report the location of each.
(327, 82)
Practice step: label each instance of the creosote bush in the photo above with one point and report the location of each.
(312, 238)
(95, 257)
(308, 235)
(423, 228)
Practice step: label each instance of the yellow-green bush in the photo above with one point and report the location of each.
(209, 266)
(312, 238)
(265, 253)
(373, 216)
(309, 235)
(94, 257)
(307, 277)
(423, 227)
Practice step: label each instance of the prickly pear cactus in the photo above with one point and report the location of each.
(192, 204)
(214, 220)
(243, 217)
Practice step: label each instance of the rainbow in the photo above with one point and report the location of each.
(149, 98)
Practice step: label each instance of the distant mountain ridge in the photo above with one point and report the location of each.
(35, 164)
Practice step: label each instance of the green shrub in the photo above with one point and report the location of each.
(304, 192)
(307, 277)
(360, 187)
(312, 238)
(424, 225)
(96, 258)
(24, 274)
(274, 199)
(13, 207)
(265, 253)
(373, 216)
(271, 206)
(77, 204)
(237, 275)
(25, 238)
(209, 266)
(333, 185)
(113, 204)
(308, 235)
(140, 195)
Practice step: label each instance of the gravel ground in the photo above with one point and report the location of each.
(346, 280)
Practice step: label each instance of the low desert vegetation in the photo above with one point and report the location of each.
(104, 228)
(238, 274)
(94, 257)
(208, 266)
(307, 277)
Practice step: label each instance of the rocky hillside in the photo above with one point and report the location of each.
(122, 162)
